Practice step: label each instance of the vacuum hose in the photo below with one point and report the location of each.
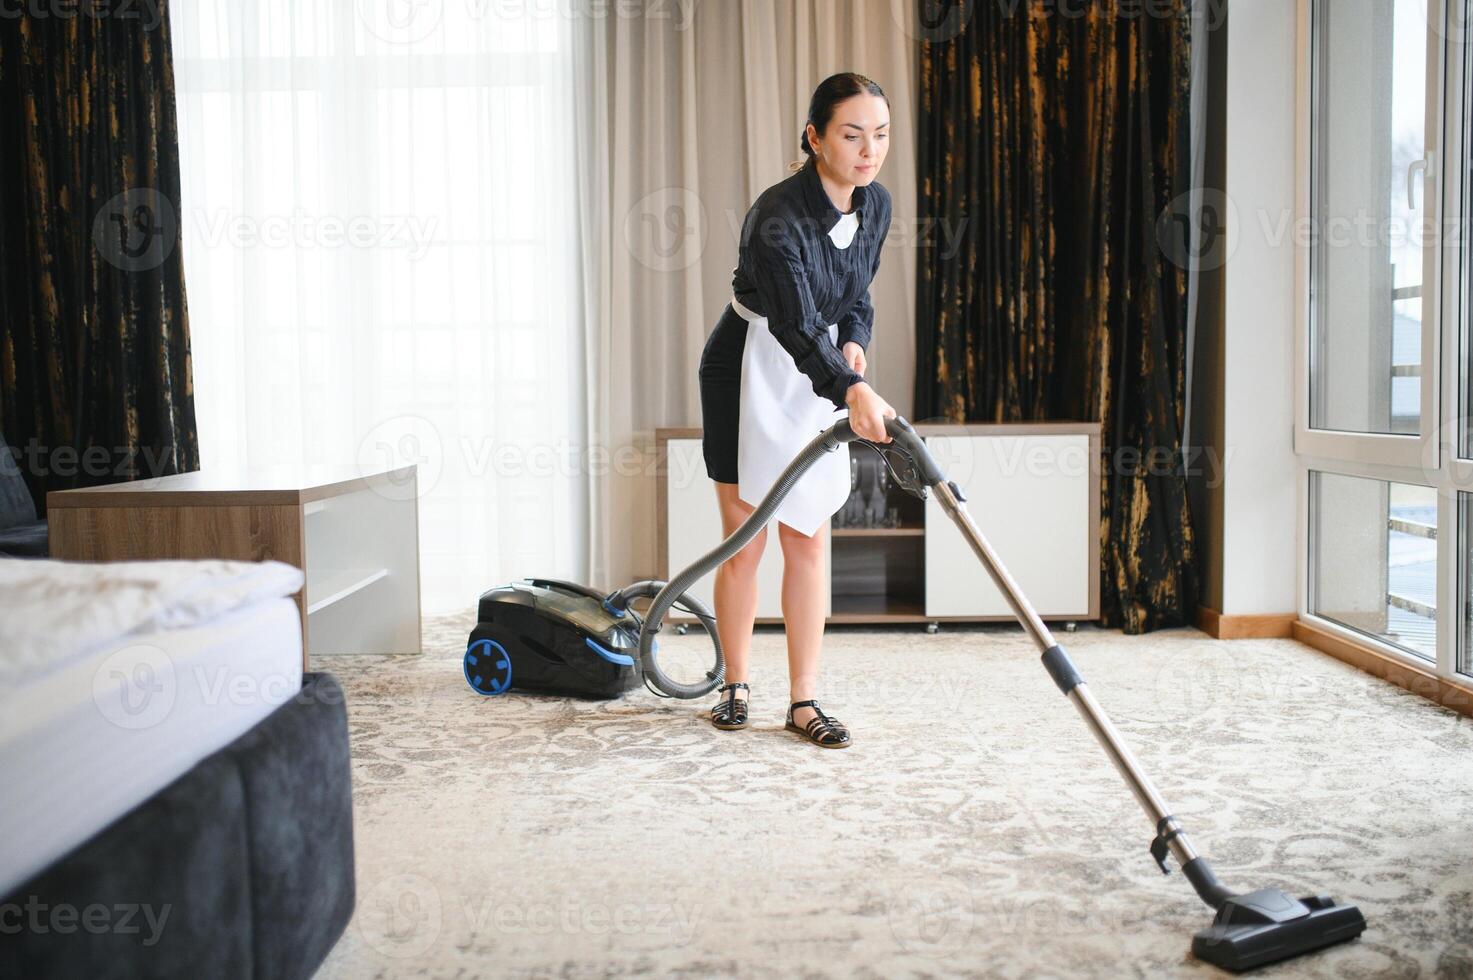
(917, 471)
(1249, 929)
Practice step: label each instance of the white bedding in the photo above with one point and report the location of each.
(82, 745)
(53, 613)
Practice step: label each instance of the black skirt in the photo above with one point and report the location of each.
(721, 393)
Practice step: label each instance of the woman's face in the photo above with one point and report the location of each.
(853, 147)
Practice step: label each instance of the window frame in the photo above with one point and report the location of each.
(1388, 449)
(1433, 457)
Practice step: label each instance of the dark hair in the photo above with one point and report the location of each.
(830, 92)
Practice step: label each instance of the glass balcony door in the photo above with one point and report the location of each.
(1382, 382)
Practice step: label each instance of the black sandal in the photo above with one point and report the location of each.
(821, 728)
(729, 714)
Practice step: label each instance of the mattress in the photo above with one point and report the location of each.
(83, 744)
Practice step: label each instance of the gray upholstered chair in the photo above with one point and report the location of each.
(21, 535)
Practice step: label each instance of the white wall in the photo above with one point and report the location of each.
(1259, 505)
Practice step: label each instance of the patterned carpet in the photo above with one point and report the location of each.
(974, 828)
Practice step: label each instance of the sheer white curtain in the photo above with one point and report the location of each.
(700, 110)
(383, 261)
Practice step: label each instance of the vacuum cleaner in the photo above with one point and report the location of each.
(559, 637)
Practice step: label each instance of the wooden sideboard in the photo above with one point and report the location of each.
(1033, 489)
(353, 532)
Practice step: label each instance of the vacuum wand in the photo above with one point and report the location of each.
(1250, 930)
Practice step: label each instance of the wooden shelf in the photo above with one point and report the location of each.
(336, 585)
(873, 607)
(878, 532)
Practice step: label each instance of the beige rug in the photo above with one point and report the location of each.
(974, 828)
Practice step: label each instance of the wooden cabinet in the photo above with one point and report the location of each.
(1032, 489)
(353, 531)
(692, 528)
(1030, 496)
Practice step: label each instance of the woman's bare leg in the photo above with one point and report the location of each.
(804, 598)
(736, 586)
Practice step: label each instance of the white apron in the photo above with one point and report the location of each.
(780, 415)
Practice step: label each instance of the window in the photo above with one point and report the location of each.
(1374, 558)
(383, 261)
(1382, 389)
(1465, 548)
(1368, 201)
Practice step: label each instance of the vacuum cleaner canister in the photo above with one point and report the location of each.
(552, 637)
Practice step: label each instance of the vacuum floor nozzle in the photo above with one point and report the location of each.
(1268, 925)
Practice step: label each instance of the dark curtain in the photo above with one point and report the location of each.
(1052, 138)
(94, 337)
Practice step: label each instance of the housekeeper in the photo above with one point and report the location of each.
(786, 355)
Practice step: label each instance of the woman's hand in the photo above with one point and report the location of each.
(854, 354)
(868, 412)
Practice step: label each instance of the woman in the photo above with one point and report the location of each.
(786, 354)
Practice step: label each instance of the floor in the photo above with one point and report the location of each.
(973, 829)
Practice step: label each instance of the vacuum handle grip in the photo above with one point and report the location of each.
(572, 588)
(911, 443)
(906, 454)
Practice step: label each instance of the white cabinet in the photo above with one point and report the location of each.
(362, 570)
(1030, 496)
(693, 528)
(1033, 490)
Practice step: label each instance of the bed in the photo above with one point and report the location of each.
(177, 798)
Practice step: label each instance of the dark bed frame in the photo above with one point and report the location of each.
(249, 853)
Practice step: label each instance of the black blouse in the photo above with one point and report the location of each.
(789, 271)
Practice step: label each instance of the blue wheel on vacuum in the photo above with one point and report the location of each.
(487, 667)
